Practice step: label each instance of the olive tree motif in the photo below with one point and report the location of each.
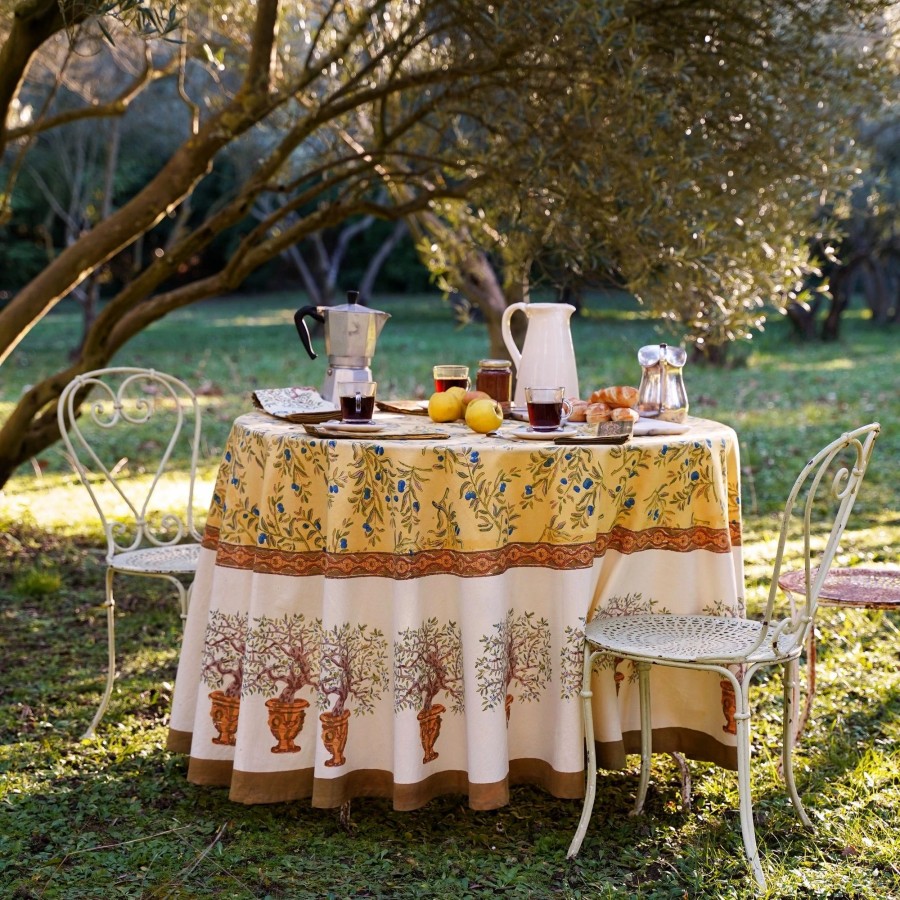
(283, 656)
(353, 664)
(223, 652)
(427, 662)
(518, 651)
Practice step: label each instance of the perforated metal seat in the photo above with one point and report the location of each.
(734, 648)
(687, 639)
(180, 559)
(140, 540)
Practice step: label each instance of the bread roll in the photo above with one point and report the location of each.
(621, 414)
(579, 408)
(620, 396)
(597, 412)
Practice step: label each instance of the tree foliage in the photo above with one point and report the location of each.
(677, 146)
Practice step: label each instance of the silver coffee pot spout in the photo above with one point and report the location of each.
(662, 394)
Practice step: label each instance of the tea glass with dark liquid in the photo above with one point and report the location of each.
(446, 377)
(548, 409)
(357, 401)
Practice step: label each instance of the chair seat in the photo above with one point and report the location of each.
(686, 638)
(177, 559)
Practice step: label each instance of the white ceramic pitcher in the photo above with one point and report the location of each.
(547, 358)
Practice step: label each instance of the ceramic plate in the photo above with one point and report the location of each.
(526, 434)
(354, 427)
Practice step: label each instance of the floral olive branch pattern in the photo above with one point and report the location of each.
(241, 518)
(620, 478)
(543, 469)
(427, 662)
(482, 493)
(282, 656)
(371, 482)
(696, 477)
(353, 664)
(302, 527)
(518, 650)
(222, 661)
(409, 485)
(448, 530)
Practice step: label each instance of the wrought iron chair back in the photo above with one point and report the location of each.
(806, 498)
(737, 648)
(136, 400)
(139, 428)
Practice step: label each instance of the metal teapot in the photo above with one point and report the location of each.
(662, 394)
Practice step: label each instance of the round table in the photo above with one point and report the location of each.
(400, 613)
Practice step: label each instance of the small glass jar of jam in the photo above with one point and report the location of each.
(495, 379)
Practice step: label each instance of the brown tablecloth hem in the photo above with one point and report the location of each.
(693, 744)
(210, 772)
(252, 788)
(270, 787)
(179, 741)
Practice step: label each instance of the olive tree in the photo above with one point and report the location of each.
(676, 145)
(296, 82)
(713, 138)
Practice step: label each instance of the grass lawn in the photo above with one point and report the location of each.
(114, 816)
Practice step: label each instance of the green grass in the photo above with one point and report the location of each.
(115, 816)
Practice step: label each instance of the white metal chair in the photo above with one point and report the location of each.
(732, 647)
(123, 453)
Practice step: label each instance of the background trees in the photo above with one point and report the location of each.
(678, 148)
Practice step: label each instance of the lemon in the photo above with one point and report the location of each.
(484, 415)
(445, 406)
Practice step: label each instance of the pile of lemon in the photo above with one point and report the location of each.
(482, 413)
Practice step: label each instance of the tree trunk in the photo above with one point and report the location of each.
(175, 181)
(803, 318)
(379, 258)
(840, 300)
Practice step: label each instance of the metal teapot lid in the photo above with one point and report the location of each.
(354, 306)
(652, 354)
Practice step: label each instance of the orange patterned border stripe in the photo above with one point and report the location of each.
(472, 564)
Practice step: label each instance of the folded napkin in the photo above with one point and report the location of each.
(295, 404)
(645, 427)
(405, 407)
(592, 439)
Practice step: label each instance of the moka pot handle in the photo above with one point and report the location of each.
(302, 329)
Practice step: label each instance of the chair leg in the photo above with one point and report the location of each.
(646, 736)
(742, 719)
(590, 791)
(111, 654)
(791, 684)
(686, 785)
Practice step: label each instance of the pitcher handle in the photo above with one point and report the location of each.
(514, 353)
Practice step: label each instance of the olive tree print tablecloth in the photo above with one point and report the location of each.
(404, 619)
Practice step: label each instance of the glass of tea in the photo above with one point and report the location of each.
(357, 400)
(548, 408)
(451, 376)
